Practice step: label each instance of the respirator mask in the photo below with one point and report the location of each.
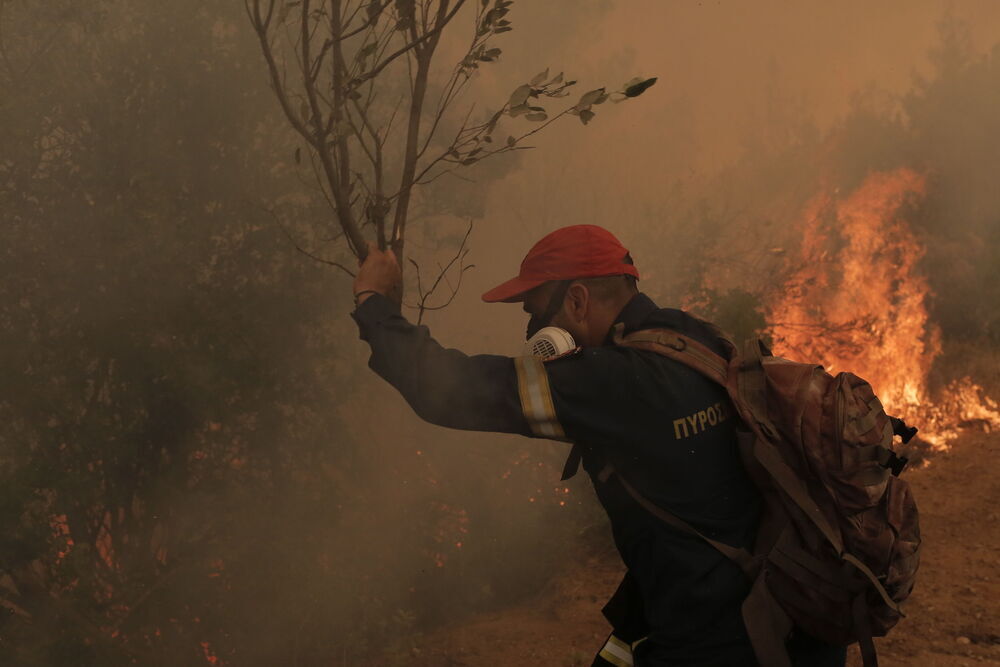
(543, 340)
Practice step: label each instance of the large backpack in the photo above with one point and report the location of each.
(838, 545)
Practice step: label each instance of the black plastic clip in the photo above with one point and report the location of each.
(896, 463)
(900, 428)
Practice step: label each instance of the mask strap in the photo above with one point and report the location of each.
(555, 302)
(539, 322)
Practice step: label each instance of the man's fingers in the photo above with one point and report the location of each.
(363, 257)
(372, 251)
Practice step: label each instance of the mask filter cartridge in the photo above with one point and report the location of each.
(549, 342)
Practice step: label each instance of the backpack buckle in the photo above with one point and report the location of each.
(900, 428)
(895, 463)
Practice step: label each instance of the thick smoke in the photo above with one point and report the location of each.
(196, 462)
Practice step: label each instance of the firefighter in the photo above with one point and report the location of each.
(664, 428)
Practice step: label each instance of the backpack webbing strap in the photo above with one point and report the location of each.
(740, 556)
(572, 464)
(874, 581)
(767, 624)
(795, 489)
(677, 347)
(819, 581)
(751, 385)
(861, 425)
(859, 610)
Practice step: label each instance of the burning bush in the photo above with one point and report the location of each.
(859, 303)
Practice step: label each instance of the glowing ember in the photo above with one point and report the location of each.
(856, 302)
(452, 527)
(210, 656)
(60, 527)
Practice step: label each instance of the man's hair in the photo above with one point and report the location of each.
(611, 288)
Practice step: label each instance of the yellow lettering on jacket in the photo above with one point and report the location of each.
(698, 422)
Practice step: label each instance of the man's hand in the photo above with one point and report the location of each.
(380, 273)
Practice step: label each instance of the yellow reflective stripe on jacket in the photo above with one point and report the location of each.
(617, 652)
(536, 398)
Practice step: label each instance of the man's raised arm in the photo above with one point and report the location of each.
(445, 387)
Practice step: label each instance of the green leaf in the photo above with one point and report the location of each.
(492, 21)
(492, 124)
(511, 140)
(537, 116)
(469, 160)
(589, 98)
(518, 110)
(519, 96)
(541, 76)
(586, 115)
(636, 88)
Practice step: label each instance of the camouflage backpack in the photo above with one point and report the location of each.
(838, 545)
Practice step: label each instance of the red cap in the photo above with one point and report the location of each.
(577, 251)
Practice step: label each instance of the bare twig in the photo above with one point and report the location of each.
(411, 46)
(423, 297)
(302, 250)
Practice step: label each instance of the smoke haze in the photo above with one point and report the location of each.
(153, 300)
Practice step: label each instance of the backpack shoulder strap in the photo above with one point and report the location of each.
(678, 347)
(747, 562)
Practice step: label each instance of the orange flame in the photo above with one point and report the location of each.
(857, 302)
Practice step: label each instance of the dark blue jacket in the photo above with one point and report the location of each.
(665, 428)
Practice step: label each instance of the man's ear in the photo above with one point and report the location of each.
(577, 302)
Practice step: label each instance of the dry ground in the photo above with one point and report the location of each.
(953, 616)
